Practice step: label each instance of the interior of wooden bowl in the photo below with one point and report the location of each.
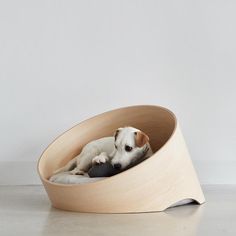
(157, 122)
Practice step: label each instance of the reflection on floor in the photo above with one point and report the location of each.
(26, 210)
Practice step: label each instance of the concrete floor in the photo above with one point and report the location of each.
(26, 210)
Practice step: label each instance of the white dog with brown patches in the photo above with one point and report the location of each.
(128, 146)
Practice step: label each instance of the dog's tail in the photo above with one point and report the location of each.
(69, 166)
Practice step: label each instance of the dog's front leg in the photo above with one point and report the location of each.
(102, 158)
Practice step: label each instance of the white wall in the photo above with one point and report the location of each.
(64, 61)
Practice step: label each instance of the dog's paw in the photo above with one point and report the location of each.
(102, 158)
(76, 172)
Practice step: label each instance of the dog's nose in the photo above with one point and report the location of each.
(117, 166)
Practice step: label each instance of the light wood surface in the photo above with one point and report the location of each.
(160, 181)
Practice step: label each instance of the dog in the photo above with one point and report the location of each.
(127, 146)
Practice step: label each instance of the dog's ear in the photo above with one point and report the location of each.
(140, 138)
(117, 133)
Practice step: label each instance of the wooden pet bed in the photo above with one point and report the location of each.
(164, 179)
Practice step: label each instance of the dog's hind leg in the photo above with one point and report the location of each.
(85, 161)
(77, 171)
(83, 165)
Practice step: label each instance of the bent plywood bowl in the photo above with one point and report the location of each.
(164, 179)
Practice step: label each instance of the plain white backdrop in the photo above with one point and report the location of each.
(64, 61)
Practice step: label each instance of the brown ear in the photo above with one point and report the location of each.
(116, 133)
(140, 138)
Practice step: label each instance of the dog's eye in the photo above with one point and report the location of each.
(128, 148)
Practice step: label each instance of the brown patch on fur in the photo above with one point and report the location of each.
(140, 138)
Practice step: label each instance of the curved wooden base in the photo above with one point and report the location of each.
(154, 185)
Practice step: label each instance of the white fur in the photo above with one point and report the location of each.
(126, 137)
(103, 150)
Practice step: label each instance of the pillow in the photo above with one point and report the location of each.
(67, 178)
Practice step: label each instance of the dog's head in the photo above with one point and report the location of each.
(130, 144)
